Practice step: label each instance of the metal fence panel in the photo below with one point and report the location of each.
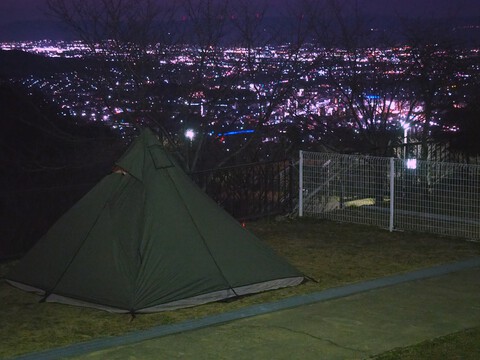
(250, 191)
(345, 188)
(438, 197)
(442, 198)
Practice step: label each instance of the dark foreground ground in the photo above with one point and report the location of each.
(334, 254)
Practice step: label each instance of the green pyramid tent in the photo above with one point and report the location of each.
(146, 239)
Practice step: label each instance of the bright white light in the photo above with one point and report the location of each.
(411, 164)
(190, 134)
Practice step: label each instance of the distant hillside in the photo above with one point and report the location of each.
(17, 64)
(48, 162)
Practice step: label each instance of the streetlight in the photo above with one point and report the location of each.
(406, 127)
(190, 134)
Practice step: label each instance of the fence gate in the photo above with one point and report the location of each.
(407, 194)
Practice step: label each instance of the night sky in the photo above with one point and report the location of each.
(21, 19)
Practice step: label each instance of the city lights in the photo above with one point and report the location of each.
(231, 101)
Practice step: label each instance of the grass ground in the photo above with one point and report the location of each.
(332, 253)
(464, 345)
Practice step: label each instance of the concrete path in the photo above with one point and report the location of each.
(381, 315)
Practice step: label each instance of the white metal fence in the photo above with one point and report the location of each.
(441, 198)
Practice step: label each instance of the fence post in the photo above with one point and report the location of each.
(392, 192)
(300, 185)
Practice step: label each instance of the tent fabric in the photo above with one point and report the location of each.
(148, 239)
